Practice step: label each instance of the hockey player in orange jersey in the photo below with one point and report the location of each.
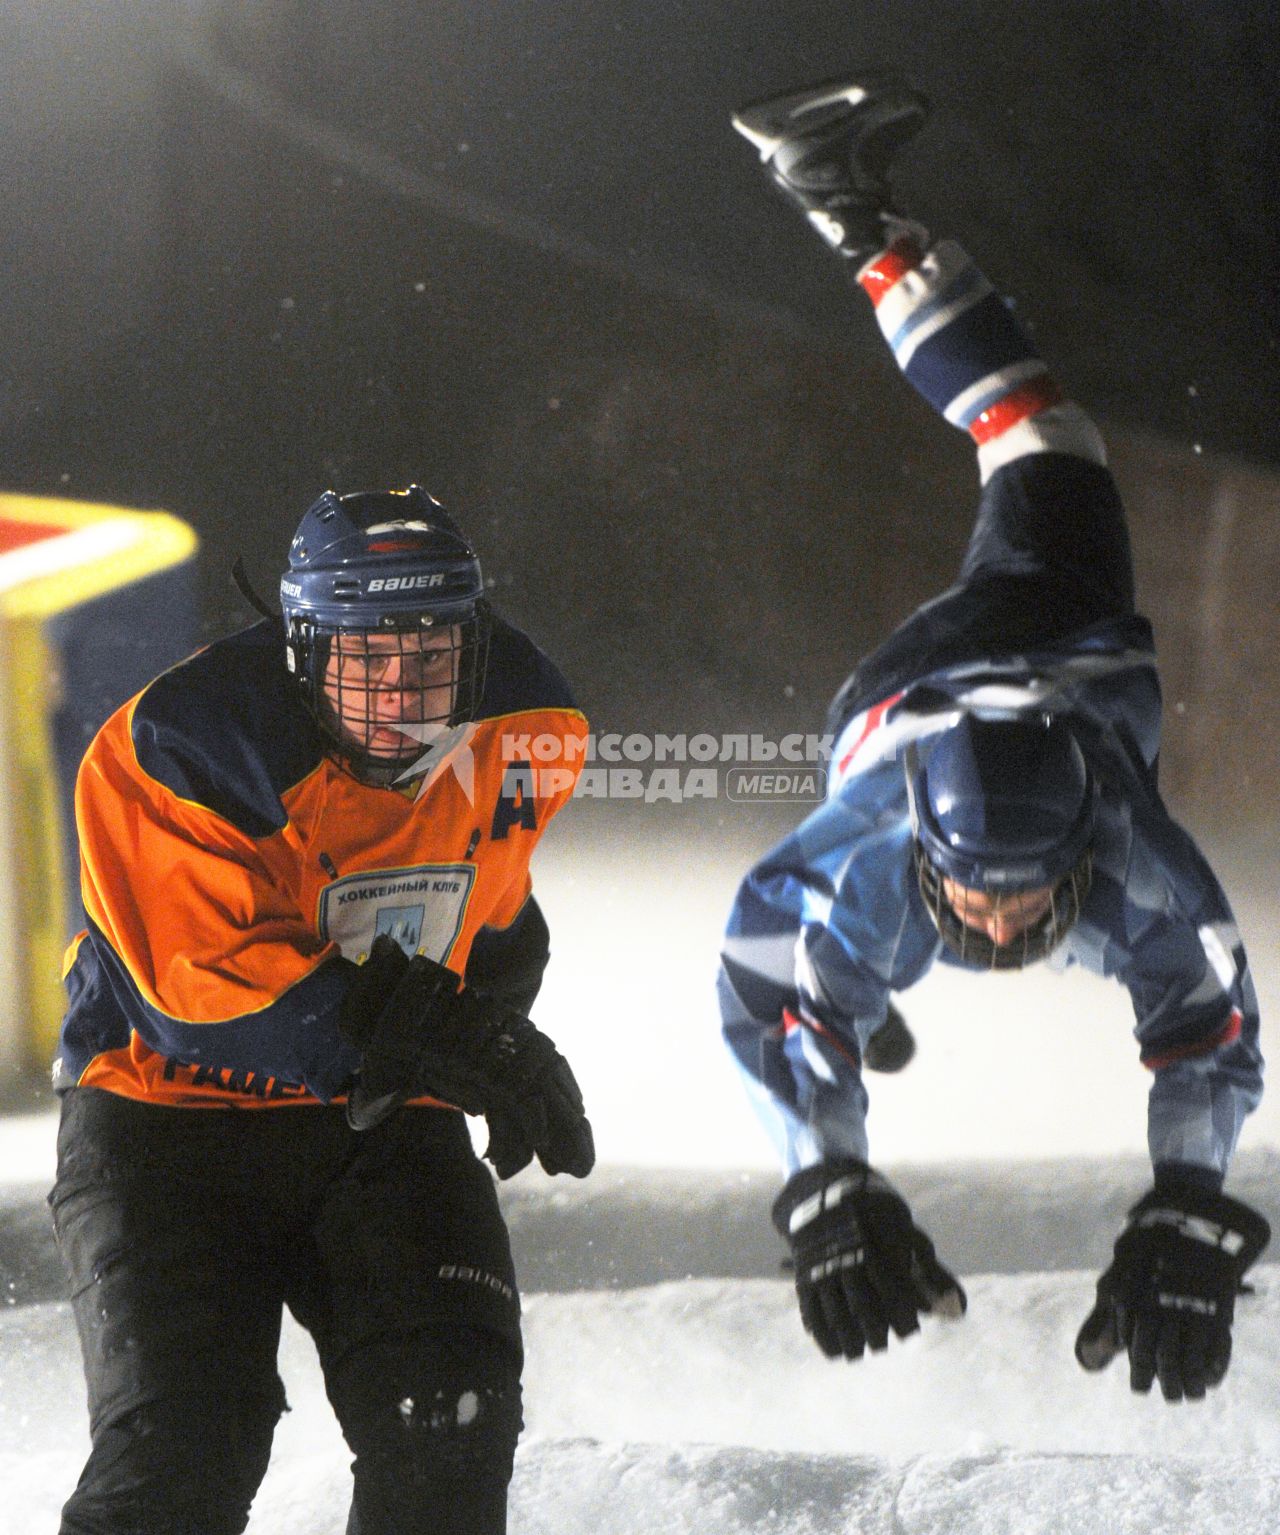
(305, 871)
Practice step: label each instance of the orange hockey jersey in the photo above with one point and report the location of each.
(231, 872)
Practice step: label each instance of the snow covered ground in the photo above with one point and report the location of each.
(696, 1403)
(700, 1406)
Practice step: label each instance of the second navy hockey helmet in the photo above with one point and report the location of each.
(1004, 807)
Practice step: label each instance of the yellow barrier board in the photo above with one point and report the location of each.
(74, 578)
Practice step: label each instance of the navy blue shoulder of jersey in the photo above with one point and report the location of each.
(228, 730)
(520, 676)
(989, 622)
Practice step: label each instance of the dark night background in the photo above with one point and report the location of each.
(514, 251)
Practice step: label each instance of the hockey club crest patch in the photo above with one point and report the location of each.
(421, 908)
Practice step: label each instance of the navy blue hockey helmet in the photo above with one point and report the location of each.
(1003, 807)
(386, 626)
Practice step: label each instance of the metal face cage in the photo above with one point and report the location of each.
(384, 696)
(1033, 943)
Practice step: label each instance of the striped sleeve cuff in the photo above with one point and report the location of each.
(1061, 429)
(960, 346)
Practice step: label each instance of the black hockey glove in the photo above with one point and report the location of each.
(1169, 1296)
(862, 1265)
(532, 1101)
(471, 1051)
(370, 990)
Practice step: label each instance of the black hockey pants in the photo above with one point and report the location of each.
(186, 1231)
(1049, 556)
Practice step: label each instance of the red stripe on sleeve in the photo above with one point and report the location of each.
(1015, 406)
(1226, 1035)
(792, 1021)
(903, 256)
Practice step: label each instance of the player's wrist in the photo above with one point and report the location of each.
(1175, 1178)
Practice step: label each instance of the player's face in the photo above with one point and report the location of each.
(376, 683)
(1003, 917)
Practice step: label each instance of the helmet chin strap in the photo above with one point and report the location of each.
(245, 587)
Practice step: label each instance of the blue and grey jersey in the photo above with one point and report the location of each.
(831, 922)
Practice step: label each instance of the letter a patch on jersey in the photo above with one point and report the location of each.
(515, 805)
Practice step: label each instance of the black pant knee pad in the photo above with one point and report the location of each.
(430, 1408)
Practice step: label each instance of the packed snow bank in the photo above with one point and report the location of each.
(727, 1362)
(565, 1488)
(701, 1407)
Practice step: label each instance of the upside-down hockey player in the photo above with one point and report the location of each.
(268, 832)
(992, 803)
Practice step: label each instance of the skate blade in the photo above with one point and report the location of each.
(768, 124)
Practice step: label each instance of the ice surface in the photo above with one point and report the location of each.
(701, 1406)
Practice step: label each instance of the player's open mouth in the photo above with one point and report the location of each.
(389, 735)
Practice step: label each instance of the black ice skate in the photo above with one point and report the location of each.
(829, 146)
(892, 1047)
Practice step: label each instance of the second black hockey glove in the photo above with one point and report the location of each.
(1168, 1298)
(533, 1102)
(862, 1265)
(430, 1038)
